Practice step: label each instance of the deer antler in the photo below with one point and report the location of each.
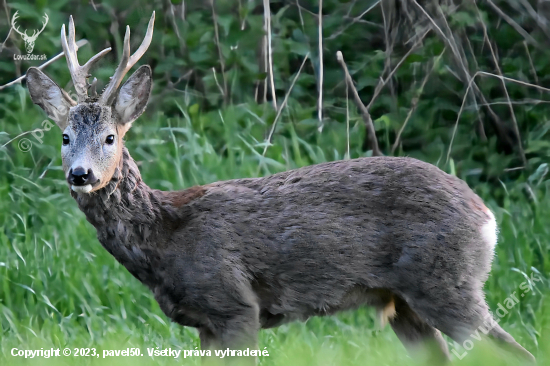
(13, 19)
(78, 73)
(127, 61)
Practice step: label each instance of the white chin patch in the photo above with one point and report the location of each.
(82, 189)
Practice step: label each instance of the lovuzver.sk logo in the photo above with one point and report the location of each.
(29, 40)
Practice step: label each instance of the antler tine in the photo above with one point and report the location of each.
(126, 50)
(146, 41)
(127, 62)
(78, 73)
(92, 87)
(72, 35)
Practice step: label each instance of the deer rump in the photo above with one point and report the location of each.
(324, 238)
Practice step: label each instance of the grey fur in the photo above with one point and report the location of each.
(230, 258)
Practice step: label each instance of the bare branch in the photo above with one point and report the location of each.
(465, 75)
(347, 156)
(513, 24)
(499, 71)
(320, 32)
(285, 100)
(267, 27)
(538, 17)
(364, 110)
(4, 43)
(414, 102)
(220, 55)
(217, 83)
(382, 82)
(533, 70)
(80, 43)
(483, 73)
(353, 20)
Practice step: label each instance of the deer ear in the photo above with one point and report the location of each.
(133, 96)
(49, 96)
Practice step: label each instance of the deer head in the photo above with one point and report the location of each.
(93, 126)
(29, 40)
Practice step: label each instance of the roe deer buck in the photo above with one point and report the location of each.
(230, 258)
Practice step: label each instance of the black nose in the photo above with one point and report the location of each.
(81, 177)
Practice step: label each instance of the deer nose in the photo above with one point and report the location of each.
(80, 177)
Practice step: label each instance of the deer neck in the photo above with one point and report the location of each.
(127, 215)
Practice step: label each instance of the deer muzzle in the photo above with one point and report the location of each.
(82, 180)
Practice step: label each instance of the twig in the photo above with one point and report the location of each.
(480, 126)
(267, 20)
(300, 14)
(383, 82)
(285, 100)
(80, 43)
(353, 21)
(6, 10)
(517, 102)
(216, 80)
(18, 136)
(533, 70)
(347, 123)
(320, 101)
(466, 77)
(541, 21)
(414, 102)
(387, 7)
(220, 55)
(315, 15)
(181, 42)
(364, 110)
(483, 73)
(262, 65)
(507, 95)
(513, 24)
(458, 116)
(7, 37)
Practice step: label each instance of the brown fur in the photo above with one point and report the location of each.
(182, 198)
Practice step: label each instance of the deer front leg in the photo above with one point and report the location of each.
(238, 332)
(210, 342)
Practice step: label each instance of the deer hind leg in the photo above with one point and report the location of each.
(502, 337)
(463, 315)
(420, 339)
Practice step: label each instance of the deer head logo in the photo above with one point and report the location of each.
(29, 40)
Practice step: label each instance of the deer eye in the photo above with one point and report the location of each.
(110, 139)
(66, 139)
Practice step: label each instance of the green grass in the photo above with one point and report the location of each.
(59, 288)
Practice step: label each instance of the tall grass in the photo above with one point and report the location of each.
(60, 288)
